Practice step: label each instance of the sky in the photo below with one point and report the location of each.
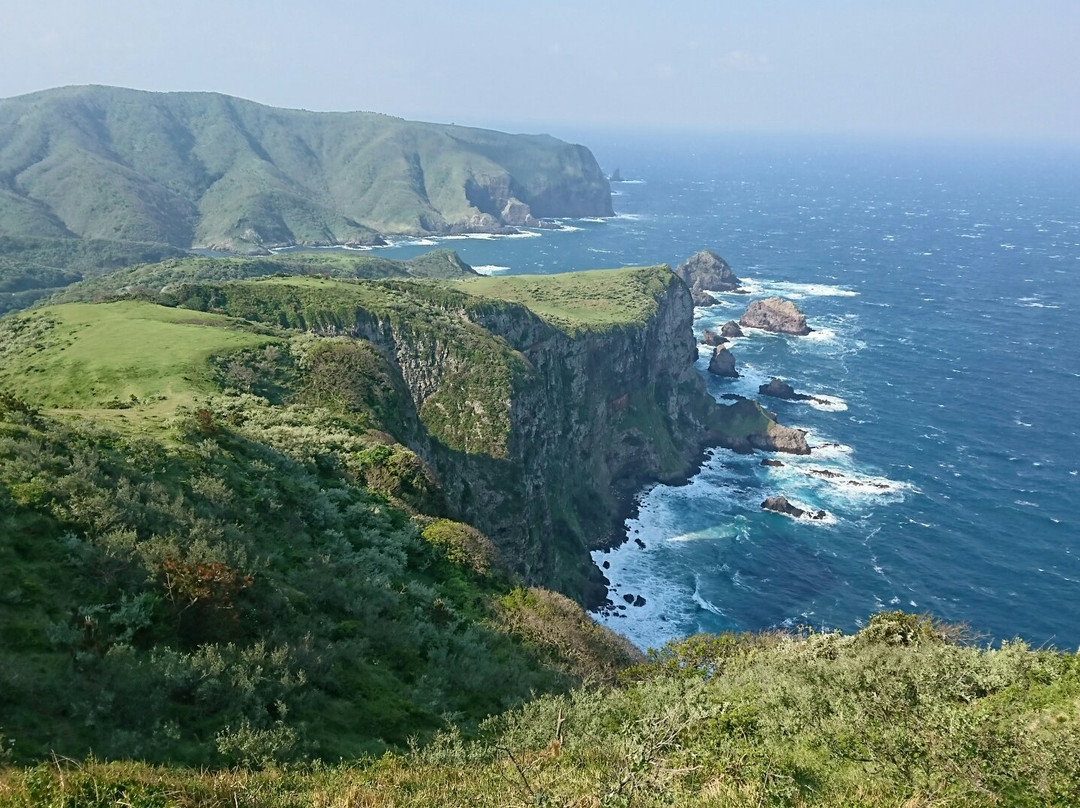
(952, 69)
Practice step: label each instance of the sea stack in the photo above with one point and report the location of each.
(775, 314)
(705, 272)
(722, 363)
(731, 329)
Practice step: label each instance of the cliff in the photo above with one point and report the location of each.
(541, 404)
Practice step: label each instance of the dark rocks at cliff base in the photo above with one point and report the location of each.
(639, 601)
(628, 598)
(705, 272)
(702, 298)
(777, 315)
(781, 505)
(733, 397)
(712, 338)
(615, 176)
(722, 363)
(730, 329)
(766, 462)
(778, 388)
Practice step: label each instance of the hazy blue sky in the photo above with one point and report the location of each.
(962, 67)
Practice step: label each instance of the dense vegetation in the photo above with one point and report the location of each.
(32, 268)
(232, 550)
(206, 170)
(902, 713)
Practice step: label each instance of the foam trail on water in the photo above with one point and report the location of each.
(763, 287)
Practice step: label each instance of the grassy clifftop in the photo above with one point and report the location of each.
(596, 300)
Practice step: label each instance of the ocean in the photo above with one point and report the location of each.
(943, 284)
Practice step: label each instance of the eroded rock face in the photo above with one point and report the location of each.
(781, 505)
(705, 272)
(711, 338)
(723, 363)
(702, 298)
(779, 438)
(518, 214)
(775, 314)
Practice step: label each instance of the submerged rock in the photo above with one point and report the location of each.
(775, 314)
(722, 363)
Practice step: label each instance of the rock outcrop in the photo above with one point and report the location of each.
(711, 338)
(780, 504)
(722, 363)
(775, 314)
(705, 272)
(731, 329)
(778, 388)
(779, 438)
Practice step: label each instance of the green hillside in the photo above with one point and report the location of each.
(206, 170)
(274, 532)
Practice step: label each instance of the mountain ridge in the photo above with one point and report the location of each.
(197, 169)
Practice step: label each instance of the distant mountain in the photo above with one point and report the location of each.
(202, 170)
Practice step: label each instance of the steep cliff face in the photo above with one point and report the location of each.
(542, 405)
(598, 414)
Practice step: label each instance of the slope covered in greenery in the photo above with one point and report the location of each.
(153, 279)
(212, 549)
(902, 713)
(233, 533)
(216, 544)
(206, 170)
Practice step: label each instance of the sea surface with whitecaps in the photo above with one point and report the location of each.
(943, 286)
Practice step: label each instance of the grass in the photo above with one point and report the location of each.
(596, 300)
(144, 358)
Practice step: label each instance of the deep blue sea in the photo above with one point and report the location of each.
(943, 284)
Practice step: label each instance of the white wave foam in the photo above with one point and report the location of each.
(821, 335)
(827, 450)
(795, 291)
(707, 605)
(491, 269)
(632, 182)
(827, 403)
(491, 236)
